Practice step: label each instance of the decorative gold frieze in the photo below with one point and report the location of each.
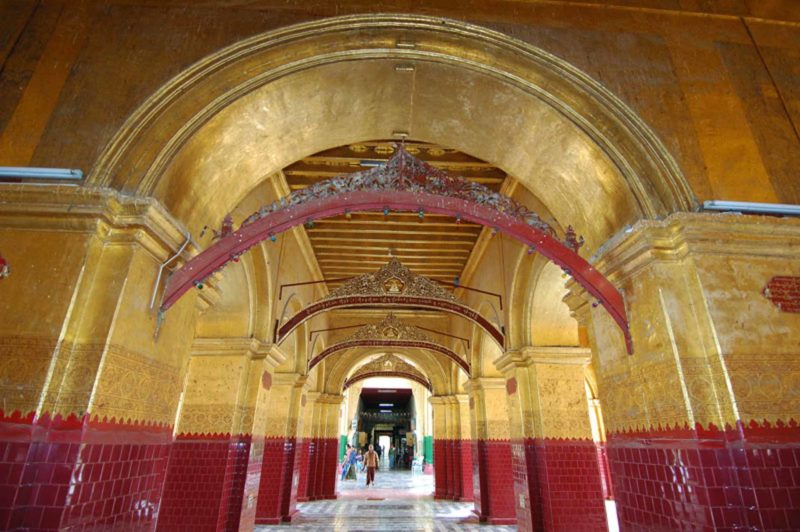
(133, 386)
(390, 328)
(393, 279)
(388, 363)
(24, 364)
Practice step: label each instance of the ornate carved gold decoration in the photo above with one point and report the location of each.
(394, 279)
(388, 364)
(390, 328)
(24, 362)
(136, 387)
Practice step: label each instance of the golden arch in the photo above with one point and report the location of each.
(155, 151)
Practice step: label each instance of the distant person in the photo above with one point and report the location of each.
(346, 461)
(392, 453)
(352, 465)
(371, 463)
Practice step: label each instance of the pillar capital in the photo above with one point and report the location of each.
(484, 383)
(293, 380)
(330, 398)
(439, 400)
(529, 355)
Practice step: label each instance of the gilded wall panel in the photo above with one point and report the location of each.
(24, 364)
(133, 386)
(72, 378)
(766, 386)
(563, 407)
(207, 419)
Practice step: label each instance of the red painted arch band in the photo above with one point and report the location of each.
(390, 343)
(236, 243)
(400, 374)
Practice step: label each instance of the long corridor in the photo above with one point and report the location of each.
(399, 500)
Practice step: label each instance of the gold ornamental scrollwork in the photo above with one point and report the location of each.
(393, 279)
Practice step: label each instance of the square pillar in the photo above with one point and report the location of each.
(275, 489)
(491, 451)
(557, 476)
(440, 454)
(701, 418)
(94, 388)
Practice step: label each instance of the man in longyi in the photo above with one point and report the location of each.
(371, 463)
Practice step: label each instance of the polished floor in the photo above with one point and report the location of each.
(399, 500)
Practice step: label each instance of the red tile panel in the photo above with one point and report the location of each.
(330, 468)
(739, 478)
(194, 486)
(569, 485)
(524, 475)
(233, 484)
(252, 483)
(302, 466)
(318, 472)
(81, 473)
(274, 491)
(495, 498)
(440, 469)
(452, 470)
(293, 482)
(465, 450)
(312, 448)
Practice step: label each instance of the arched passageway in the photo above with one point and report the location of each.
(231, 410)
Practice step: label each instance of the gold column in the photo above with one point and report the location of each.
(705, 336)
(283, 449)
(549, 395)
(492, 459)
(77, 334)
(713, 376)
(555, 460)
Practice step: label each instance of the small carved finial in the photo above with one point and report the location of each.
(572, 241)
(225, 229)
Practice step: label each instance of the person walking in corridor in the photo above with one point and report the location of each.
(371, 463)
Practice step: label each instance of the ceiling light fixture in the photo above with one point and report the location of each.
(747, 207)
(40, 173)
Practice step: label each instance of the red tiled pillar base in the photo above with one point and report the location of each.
(465, 451)
(746, 478)
(330, 468)
(308, 475)
(274, 491)
(524, 475)
(569, 485)
(452, 471)
(230, 509)
(494, 496)
(205, 482)
(252, 483)
(58, 473)
(440, 468)
(318, 480)
(302, 466)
